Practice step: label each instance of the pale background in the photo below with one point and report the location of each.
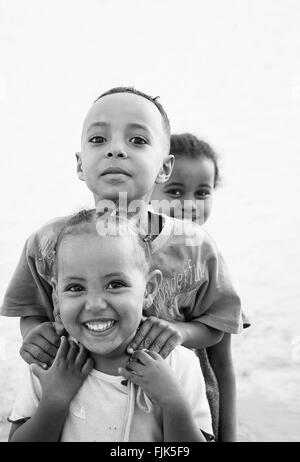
(228, 71)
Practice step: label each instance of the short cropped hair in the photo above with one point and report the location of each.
(154, 100)
(189, 146)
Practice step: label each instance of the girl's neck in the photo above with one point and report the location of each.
(110, 364)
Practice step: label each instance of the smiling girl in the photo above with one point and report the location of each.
(101, 286)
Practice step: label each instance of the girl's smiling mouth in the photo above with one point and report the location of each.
(98, 325)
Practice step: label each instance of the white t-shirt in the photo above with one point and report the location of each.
(106, 410)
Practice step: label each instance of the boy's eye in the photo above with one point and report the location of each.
(116, 285)
(138, 140)
(174, 192)
(74, 288)
(97, 140)
(202, 194)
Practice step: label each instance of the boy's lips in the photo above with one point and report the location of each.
(114, 171)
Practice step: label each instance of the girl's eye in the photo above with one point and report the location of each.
(174, 192)
(97, 140)
(116, 285)
(138, 140)
(74, 288)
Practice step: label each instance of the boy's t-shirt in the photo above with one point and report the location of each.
(106, 410)
(196, 283)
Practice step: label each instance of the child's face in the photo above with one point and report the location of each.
(191, 180)
(124, 148)
(100, 291)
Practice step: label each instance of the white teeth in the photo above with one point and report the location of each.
(99, 326)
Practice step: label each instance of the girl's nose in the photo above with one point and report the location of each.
(95, 303)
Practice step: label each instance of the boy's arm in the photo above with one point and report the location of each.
(221, 361)
(27, 323)
(197, 335)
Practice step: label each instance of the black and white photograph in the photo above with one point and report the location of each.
(150, 253)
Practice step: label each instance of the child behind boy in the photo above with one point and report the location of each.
(100, 306)
(125, 148)
(188, 194)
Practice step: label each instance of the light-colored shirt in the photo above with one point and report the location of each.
(106, 410)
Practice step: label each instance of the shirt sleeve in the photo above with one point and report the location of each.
(186, 366)
(29, 293)
(28, 397)
(216, 303)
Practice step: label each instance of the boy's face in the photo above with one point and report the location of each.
(124, 148)
(192, 184)
(100, 291)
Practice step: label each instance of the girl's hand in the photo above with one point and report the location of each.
(41, 343)
(156, 335)
(148, 370)
(62, 380)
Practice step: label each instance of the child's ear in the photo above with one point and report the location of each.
(166, 169)
(153, 283)
(79, 166)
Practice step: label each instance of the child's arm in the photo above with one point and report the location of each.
(41, 339)
(162, 336)
(221, 361)
(59, 385)
(156, 378)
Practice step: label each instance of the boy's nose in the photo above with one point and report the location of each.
(120, 153)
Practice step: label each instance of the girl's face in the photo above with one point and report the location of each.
(191, 187)
(101, 291)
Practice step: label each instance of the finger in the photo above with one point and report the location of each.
(169, 346)
(82, 356)
(48, 332)
(73, 351)
(41, 342)
(37, 370)
(31, 360)
(153, 355)
(135, 367)
(153, 335)
(59, 328)
(88, 367)
(142, 356)
(38, 355)
(139, 337)
(128, 375)
(63, 349)
(160, 340)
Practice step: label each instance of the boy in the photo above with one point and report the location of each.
(125, 148)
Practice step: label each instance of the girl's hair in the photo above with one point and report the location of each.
(188, 145)
(107, 224)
